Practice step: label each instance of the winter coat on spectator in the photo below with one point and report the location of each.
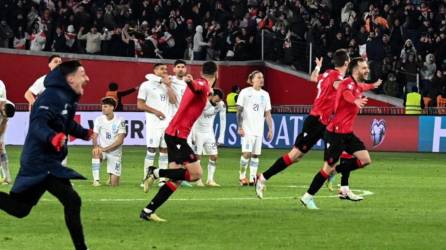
(392, 87)
(93, 41)
(38, 41)
(348, 14)
(5, 35)
(429, 68)
(198, 43)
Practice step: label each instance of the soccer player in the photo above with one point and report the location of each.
(41, 170)
(315, 123)
(203, 137)
(339, 136)
(110, 130)
(154, 97)
(37, 87)
(253, 108)
(7, 110)
(180, 153)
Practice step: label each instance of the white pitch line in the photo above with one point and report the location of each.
(360, 192)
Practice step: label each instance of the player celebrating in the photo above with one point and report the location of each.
(339, 135)
(203, 136)
(7, 110)
(314, 125)
(191, 107)
(37, 87)
(110, 130)
(253, 107)
(154, 97)
(41, 170)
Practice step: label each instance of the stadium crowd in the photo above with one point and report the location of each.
(400, 38)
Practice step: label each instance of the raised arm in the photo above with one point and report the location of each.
(317, 69)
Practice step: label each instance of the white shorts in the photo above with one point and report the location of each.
(204, 144)
(113, 163)
(155, 138)
(251, 144)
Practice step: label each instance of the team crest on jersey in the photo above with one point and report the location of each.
(378, 131)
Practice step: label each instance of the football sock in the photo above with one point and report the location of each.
(243, 166)
(278, 166)
(65, 161)
(211, 170)
(253, 166)
(173, 174)
(5, 168)
(148, 162)
(345, 167)
(317, 182)
(163, 194)
(95, 166)
(163, 162)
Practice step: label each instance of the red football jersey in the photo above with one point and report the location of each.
(346, 112)
(192, 105)
(323, 105)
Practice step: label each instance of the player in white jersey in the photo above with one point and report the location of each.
(154, 97)
(202, 138)
(7, 110)
(253, 108)
(37, 87)
(109, 133)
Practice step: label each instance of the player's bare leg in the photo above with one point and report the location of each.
(199, 182)
(114, 180)
(253, 167)
(244, 162)
(4, 162)
(96, 166)
(212, 165)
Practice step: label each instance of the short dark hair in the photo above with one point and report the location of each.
(52, 57)
(414, 89)
(219, 93)
(9, 109)
(354, 63)
(340, 57)
(209, 68)
(108, 100)
(156, 65)
(179, 61)
(69, 67)
(113, 86)
(235, 88)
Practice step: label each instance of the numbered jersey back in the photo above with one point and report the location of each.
(326, 95)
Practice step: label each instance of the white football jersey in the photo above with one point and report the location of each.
(37, 88)
(2, 90)
(179, 86)
(154, 93)
(255, 103)
(205, 123)
(108, 131)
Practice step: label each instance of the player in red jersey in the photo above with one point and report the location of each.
(179, 152)
(315, 123)
(339, 136)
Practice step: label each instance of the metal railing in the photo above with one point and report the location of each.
(278, 109)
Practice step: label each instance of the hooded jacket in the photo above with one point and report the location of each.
(52, 113)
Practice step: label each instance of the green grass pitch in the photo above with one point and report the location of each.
(407, 209)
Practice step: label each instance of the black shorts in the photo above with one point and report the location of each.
(336, 143)
(312, 132)
(178, 150)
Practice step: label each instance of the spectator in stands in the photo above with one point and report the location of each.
(199, 44)
(93, 38)
(20, 38)
(118, 95)
(5, 34)
(38, 37)
(409, 69)
(391, 86)
(427, 72)
(59, 42)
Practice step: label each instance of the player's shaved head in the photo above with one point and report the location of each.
(209, 68)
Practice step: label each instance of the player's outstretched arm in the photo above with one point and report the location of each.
(240, 120)
(76, 130)
(317, 69)
(269, 123)
(39, 124)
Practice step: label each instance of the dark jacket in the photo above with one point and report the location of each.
(53, 112)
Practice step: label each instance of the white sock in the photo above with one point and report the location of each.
(5, 169)
(65, 161)
(344, 189)
(243, 165)
(253, 166)
(95, 166)
(163, 163)
(148, 162)
(211, 170)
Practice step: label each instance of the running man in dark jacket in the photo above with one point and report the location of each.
(51, 121)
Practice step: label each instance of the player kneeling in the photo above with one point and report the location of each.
(202, 138)
(109, 133)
